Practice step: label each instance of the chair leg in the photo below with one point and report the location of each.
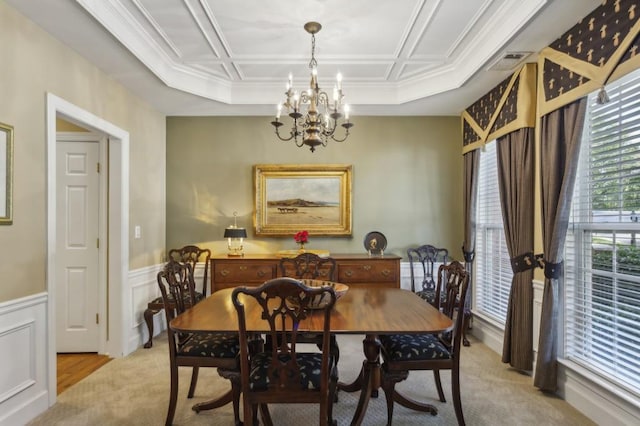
(148, 318)
(194, 382)
(436, 377)
(334, 349)
(248, 416)
(333, 388)
(466, 326)
(264, 413)
(455, 393)
(173, 395)
(236, 391)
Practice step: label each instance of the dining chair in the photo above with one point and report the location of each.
(425, 258)
(188, 254)
(312, 266)
(281, 373)
(406, 352)
(195, 349)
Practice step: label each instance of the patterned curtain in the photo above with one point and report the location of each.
(600, 48)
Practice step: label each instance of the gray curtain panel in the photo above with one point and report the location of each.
(516, 160)
(471, 165)
(561, 134)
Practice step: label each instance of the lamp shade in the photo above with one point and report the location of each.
(235, 233)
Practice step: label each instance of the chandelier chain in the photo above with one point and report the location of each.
(313, 63)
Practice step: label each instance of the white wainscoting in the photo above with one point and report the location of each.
(143, 285)
(23, 355)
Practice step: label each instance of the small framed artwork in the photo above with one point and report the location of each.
(6, 174)
(375, 243)
(311, 197)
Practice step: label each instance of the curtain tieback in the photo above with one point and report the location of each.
(553, 270)
(524, 262)
(468, 255)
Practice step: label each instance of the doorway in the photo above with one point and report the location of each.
(113, 336)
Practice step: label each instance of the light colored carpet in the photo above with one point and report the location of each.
(135, 391)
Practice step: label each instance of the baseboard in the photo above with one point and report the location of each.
(596, 398)
(488, 333)
(27, 411)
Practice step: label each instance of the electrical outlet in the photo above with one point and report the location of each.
(137, 232)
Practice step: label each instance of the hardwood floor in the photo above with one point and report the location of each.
(76, 366)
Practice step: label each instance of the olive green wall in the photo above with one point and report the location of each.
(34, 63)
(407, 180)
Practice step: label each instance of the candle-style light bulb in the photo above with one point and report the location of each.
(290, 83)
(279, 111)
(339, 79)
(346, 112)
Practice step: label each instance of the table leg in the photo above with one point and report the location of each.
(232, 396)
(368, 381)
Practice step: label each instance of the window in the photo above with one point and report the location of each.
(602, 259)
(493, 265)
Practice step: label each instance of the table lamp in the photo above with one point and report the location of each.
(234, 236)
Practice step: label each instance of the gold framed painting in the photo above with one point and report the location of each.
(294, 197)
(6, 174)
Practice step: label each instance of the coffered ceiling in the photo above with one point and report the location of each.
(230, 57)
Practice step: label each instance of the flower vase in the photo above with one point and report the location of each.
(301, 249)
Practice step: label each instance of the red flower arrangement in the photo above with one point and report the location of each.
(301, 237)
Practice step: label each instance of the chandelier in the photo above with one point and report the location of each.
(318, 124)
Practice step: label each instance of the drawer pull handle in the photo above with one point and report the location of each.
(367, 267)
(243, 268)
(386, 272)
(348, 273)
(224, 272)
(261, 274)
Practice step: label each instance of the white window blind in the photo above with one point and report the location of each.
(493, 266)
(602, 259)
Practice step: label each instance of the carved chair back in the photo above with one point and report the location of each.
(192, 255)
(308, 265)
(427, 256)
(178, 290)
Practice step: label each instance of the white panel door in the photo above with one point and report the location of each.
(77, 256)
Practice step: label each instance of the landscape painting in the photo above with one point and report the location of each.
(291, 198)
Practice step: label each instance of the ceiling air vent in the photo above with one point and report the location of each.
(509, 61)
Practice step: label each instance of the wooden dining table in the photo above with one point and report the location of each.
(371, 311)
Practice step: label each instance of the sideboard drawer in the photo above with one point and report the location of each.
(368, 272)
(243, 273)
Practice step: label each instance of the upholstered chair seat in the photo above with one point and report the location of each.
(216, 345)
(187, 299)
(310, 366)
(430, 296)
(410, 347)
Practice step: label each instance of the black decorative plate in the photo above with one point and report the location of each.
(375, 242)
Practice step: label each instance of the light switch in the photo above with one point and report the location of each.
(137, 232)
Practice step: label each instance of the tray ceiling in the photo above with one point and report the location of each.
(401, 57)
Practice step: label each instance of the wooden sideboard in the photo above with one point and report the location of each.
(358, 270)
